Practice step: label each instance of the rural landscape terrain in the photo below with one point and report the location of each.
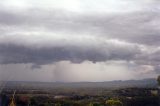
(113, 93)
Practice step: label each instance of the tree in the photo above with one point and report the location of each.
(114, 102)
(57, 104)
(90, 104)
(13, 100)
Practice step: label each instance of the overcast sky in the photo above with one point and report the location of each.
(79, 40)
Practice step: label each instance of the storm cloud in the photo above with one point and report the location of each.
(48, 33)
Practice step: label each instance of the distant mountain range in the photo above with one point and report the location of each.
(145, 83)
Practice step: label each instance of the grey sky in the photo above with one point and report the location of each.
(77, 40)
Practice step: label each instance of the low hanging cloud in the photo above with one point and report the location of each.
(94, 51)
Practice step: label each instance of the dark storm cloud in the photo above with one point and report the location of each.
(120, 38)
(21, 54)
(137, 28)
(152, 57)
